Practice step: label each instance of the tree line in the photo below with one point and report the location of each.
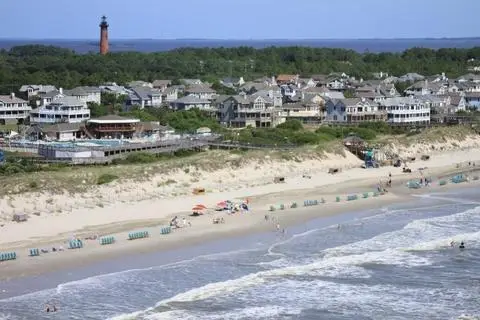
(39, 64)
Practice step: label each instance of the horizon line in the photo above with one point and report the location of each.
(239, 39)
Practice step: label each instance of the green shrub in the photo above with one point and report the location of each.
(292, 125)
(106, 178)
(140, 157)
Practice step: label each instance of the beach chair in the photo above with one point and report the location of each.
(34, 252)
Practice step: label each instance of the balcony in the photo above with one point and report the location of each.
(14, 116)
(64, 112)
(16, 108)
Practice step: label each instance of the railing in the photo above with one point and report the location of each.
(64, 112)
(25, 108)
(13, 116)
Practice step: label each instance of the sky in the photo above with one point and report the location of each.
(240, 19)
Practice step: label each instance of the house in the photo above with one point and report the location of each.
(288, 90)
(242, 111)
(411, 77)
(143, 97)
(86, 94)
(47, 98)
(161, 84)
(191, 82)
(64, 131)
(336, 111)
(13, 109)
(191, 102)
(336, 83)
(232, 82)
(313, 98)
(252, 87)
(303, 112)
(354, 110)
(271, 97)
(472, 99)
(170, 94)
(469, 77)
(201, 92)
(113, 88)
(407, 111)
(31, 90)
(333, 95)
(426, 88)
(287, 79)
(112, 126)
(306, 83)
(65, 109)
(139, 83)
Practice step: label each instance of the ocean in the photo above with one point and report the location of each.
(391, 263)
(153, 45)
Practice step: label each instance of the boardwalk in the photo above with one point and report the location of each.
(81, 154)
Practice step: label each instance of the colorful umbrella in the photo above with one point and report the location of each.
(200, 206)
(197, 208)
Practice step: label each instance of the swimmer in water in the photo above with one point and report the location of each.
(462, 245)
(452, 243)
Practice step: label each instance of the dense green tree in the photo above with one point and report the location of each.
(64, 68)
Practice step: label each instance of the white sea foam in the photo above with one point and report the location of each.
(340, 260)
(264, 312)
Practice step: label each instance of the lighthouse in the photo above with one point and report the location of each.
(104, 36)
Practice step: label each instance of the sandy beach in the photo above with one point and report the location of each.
(148, 211)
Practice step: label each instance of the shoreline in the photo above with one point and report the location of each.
(204, 231)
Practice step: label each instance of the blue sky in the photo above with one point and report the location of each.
(240, 19)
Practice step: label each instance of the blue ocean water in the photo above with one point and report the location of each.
(392, 263)
(154, 45)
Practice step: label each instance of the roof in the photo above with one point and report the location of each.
(50, 94)
(199, 89)
(316, 90)
(77, 92)
(191, 100)
(352, 101)
(113, 119)
(144, 93)
(10, 99)
(152, 126)
(68, 101)
(162, 83)
(38, 87)
(286, 77)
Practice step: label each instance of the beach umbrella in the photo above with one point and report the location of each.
(221, 204)
(197, 208)
(200, 206)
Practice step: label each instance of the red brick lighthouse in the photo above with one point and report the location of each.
(104, 36)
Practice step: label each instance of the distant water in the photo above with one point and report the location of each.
(359, 45)
(394, 263)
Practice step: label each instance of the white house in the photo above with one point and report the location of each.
(407, 111)
(143, 97)
(64, 109)
(13, 109)
(305, 113)
(170, 94)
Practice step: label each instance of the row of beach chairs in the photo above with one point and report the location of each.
(78, 244)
